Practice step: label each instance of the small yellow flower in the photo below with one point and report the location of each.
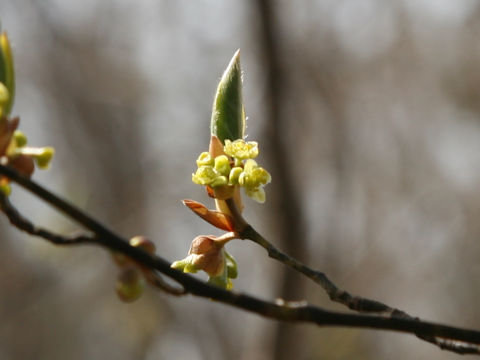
(253, 179)
(205, 159)
(241, 150)
(205, 175)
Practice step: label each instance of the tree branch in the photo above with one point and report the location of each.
(22, 223)
(446, 337)
(353, 302)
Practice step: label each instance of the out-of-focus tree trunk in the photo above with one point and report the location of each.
(284, 201)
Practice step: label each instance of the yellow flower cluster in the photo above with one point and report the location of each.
(237, 167)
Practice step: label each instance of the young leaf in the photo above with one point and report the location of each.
(228, 115)
(7, 74)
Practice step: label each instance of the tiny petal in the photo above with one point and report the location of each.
(257, 194)
(250, 165)
(260, 176)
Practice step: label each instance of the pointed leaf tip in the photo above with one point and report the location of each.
(228, 116)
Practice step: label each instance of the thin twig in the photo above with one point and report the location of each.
(285, 311)
(353, 302)
(22, 223)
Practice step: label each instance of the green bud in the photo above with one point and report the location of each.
(234, 175)
(44, 156)
(232, 269)
(20, 138)
(7, 73)
(228, 115)
(130, 285)
(222, 165)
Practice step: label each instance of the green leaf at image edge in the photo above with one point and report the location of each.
(7, 73)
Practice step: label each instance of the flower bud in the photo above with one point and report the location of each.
(205, 159)
(20, 138)
(222, 165)
(234, 175)
(143, 243)
(44, 157)
(204, 254)
(232, 269)
(130, 284)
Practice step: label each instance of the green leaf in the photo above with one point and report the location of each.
(7, 73)
(228, 115)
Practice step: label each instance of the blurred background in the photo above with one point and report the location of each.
(368, 117)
